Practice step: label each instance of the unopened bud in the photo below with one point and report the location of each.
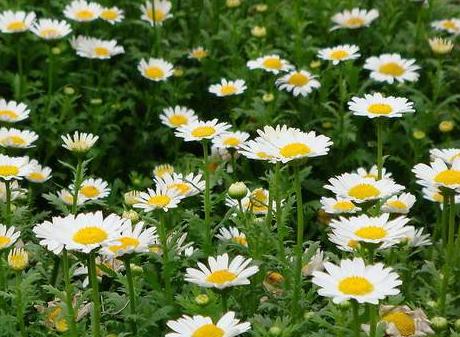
(237, 190)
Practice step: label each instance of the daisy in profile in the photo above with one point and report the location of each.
(353, 279)
(158, 13)
(339, 53)
(156, 70)
(201, 130)
(313, 263)
(391, 67)
(356, 18)
(112, 15)
(232, 234)
(338, 206)
(416, 238)
(38, 173)
(13, 167)
(67, 197)
(228, 88)
(19, 139)
(177, 116)
(256, 202)
(270, 63)
(377, 105)
(200, 326)
(82, 11)
(80, 141)
(447, 155)
(198, 53)
(12, 112)
(51, 29)
(16, 191)
(92, 48)
(16, 22)
(298, 82)
(161, 198)
(373, 173)
(451, 26)
(108, 262)
(162, 170)
(438, 174)
(358, 189)
(93, 189)
(8, 236)
(230, 140)
(82, 233)
(399, 204)
(222, 273)
(187, 186)
(441, 46)
(257, 149)
(18, 259)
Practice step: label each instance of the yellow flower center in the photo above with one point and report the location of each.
(294, 150)
(241, 240)
(36, 176)
(4, 241)
(228, 89)
(231, 141)
(448, 177)
(298, 79)
(162, 170)
(438, 197)
(126, 242)
(371, 232)
(355, 285)
(14, 140)
(397, 204)
(159, 16)
(101, 52)
(449, 24)
(89, 191)
(49, 33)
(199, 53)
(363, 191)
(109, 14)
(159, 201)
(9, 114)
(84, 14)
(353, 244)
(221, 276)
(182, 188)
(154, 72)
(344, 205)
(354, 22)
(8, 170)
(391, 68)
(338, 55)
(178, 120)
(402, 321)
(203, 131)
(272, 63)
(208, 330)
(18, 261)
(90, 235)
(380, 109)
(61, 325)
(16, 26)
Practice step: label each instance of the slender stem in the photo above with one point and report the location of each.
(69, 295)
(299, 244)
(279, 221)
(356, 321)
(20, 306)
(372, 320)
(165, 255)
(3, 278)
(223, 295)
(445, 218)
(131, 293)
(449, 254)
(207, 200)
(8, 203)
(379, 148)
(77, 185)
(96, 313)
(216, 13)
(20, 71)
(50, 78)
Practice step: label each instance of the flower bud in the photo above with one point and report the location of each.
(233, 3)
(446, 126)
(315, 64)
(268, 97)
(237, 190)
(18, 259)
(178, 72)
(96, 101)
(345, 304)
(131, 197)
(457, 325)
(131, 215)
(261, 8)
(56, 50)
(439, 323)
(418, 134)
(202, 299)
(69, 91)
(259, 31)
(275, 331)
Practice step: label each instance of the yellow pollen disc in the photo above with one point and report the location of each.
(208, 330)
(392, 68)
(363, 191)
(15, 140)
(36, 176)
(8, 170)
(16, 26)
(90, 235)
(61, 325)
(90, 191)
(161, 170)
(228, 89)
(448, 177)
(101, 51)
(354, 22)
(178, 120)
(294, 150)
(109, 14)
(353, 244)
(125, 243)
(203, 131)
(449, 24)
(298, 80)
(154, 72)
(84, 14)
(231, 141)
(344, 205)
(241, 240)
(438, 197)
(199, 54)
(402, 321)
(397, 204)
(49, 33)
(9, 114)
(182, 188)
(371, 233)
(159, 201)
(4, 241)
(272, 63)
(221, 276)
(158, 17)
(380, 109)
(338, 55)
(355, 285)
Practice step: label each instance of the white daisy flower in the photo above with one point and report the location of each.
(338, 206)
(315, 263)
(38, 173)
(177, 116)
(377, 105)
(8, 236)
(232, 234)
(448, 25)
(391, 67)
(156, 70)
(340, 53)
(257, 149)
(352, 279)
(186, 186)
(19, 139)
(298, 82)
(160, 198)
(256, 202)
(13, 167)
(158, 13)
(440, 46)
(108, 262)
(201, 130)
(16, 191)
(230, 140)
(93, 189)
(221, 272)
(438, 174)
(12, 112)
(399, 204)
(228, 88)
(447, 155)
(200, 326)
(51, 29)
(79, 142)
(356, 18)
(373, 172)
(358, 189)
(161, 170)
(270, 63)
(416, 238)
(16, 22)
(198, 53)
(112, 15)
(67, 197)
(92, 48)
(82, 11)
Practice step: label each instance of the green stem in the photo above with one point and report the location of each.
(20, 71)
(69, 295)
(224, 295)
(3, 278)
(279, 221)
(216, 13)
(96, 312)
(445, 218)
(50, 79)
(299, 244)
(20, 306)
(379, 148)
(77, 184)
(8, 203)
(207, 200)
(356, 321)
(132, 294)
(165, 255)
(372, 320)
(449, 254)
